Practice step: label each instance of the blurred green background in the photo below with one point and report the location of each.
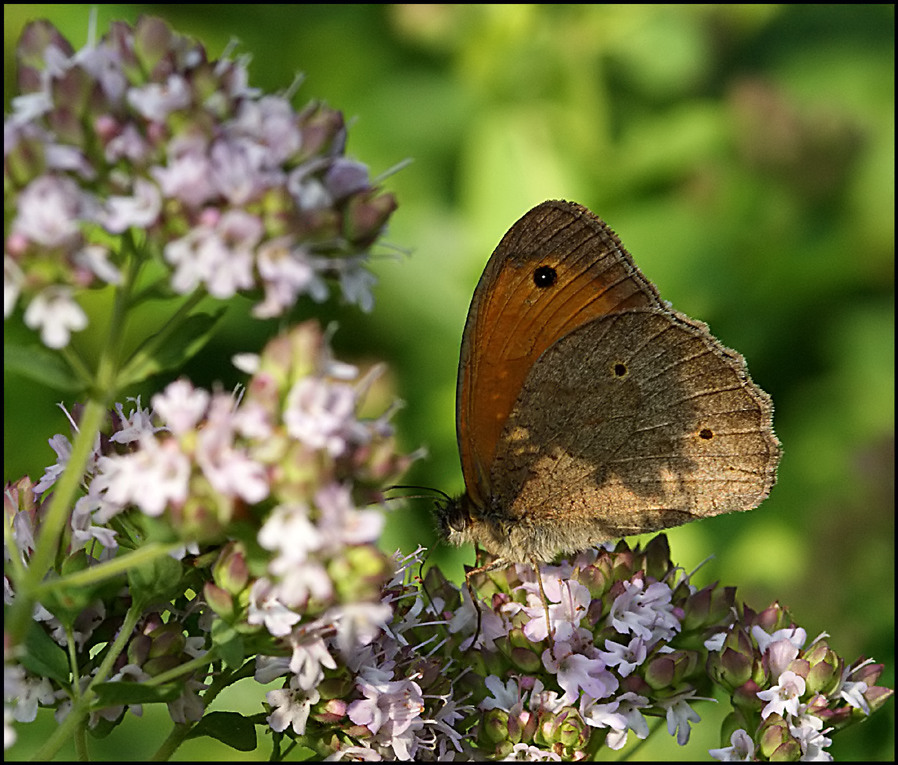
(745, 156)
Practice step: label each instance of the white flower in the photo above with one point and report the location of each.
(568, 602)
(741, 748)
(392, 711)
(716, 641)
(795, 635)
(310, 654)
(49, 211)
(152, 477)
(31, 692)
(783, 697)
(808, 729)
(602, 715)
(647, 612)
(321, 414)
(13, 279)
(628, 707)
(132, 426)
(504, 696)
(853, 693)
(530, 753)
(576, 671)
(227, 466)
(359, 623)
(266, 608)
(290, 707)
(156, 101)
(59, 444)
(625, 657)
(56, 314)
(181, 406)
(140, 210)
(679, 715)
(289, 530)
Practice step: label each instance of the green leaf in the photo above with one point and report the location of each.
(230, 728)
(44, 657)
(229, 643)
(160, 579)
(113, 694)
(38, 363)
(173, 352)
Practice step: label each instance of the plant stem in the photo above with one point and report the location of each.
(108, 569)
(81, 706)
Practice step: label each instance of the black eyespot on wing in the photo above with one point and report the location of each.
(706, 433)
(545, 276)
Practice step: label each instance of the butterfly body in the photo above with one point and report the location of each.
(587, 408)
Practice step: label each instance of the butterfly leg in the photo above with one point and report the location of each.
(542, 593)
(498, 563)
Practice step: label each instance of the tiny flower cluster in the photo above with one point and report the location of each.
(787, 697)
(627, 638)
(391, 694)
(266, 491)
(139, 145)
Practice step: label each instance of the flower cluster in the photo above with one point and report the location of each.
(787, 695)
(141, 136)
(266, 491)
(393, 696)
(629, 637)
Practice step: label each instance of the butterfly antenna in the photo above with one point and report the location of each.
(443, 494)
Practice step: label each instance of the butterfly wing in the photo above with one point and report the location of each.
(556, 269)
(632, 423)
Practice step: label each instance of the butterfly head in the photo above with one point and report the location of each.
(455, 520)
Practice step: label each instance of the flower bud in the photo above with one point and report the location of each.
(525, 660)
(732, 666)
(572, 732)
(773, 618)
(774, 733)
(595, 580)
(219, 600)
(323, 131)
(168, 640)
(788, 751)
(708, 606)
(336, 687)
(366, 215)
(494, 726)
(139, 649)
(230, 570)
(330, 711)
(876, 696)
(161, 664)
(657, 557)
(660, 672)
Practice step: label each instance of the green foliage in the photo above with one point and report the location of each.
(232, 729)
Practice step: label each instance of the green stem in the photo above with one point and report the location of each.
(135, 368)
(52, 527)
(182, 730)
(54, 523)
(182, 669)
(81, 744)
(81, 706)
(109, 569)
